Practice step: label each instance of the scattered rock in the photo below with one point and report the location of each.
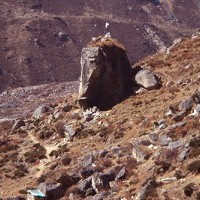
(103, 153)
(51, 190)
(40, 110)
(147, 190)
(18, 123)
(69, 131)
(147, 79)
(140, 153)
(183, 154)
(105, 178)
(91, 114)
(154, 137)
(88, 160)
(185, 105)
(175, 144)
(86, 172)
(84, 185)
(121, 174)
(164, 140)
(196, 109)
(63, 36)
(179, 116)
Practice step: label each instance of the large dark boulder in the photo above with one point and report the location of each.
(106, 74)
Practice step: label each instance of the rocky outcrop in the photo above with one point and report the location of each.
(106, 74)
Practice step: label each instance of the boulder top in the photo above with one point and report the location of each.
(104, 41)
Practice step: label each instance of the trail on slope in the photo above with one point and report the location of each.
(42, 164)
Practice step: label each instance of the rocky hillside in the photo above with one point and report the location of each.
(146, 147)
(41, 40)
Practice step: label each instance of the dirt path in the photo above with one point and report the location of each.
(43, 163)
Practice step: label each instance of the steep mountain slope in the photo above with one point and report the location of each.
(33, 53)
(146, 147)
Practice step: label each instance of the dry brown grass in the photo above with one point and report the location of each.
(103, 41)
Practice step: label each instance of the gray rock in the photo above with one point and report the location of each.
(96, 182)
(175, 144)
(164, 140)
(147, 79)
(105, 178)
(183, 154)
(103, 153)
(84, 185)
(85, 172)
(90, 192)
(179, 116)
(116, 151)
(154, 137)
(18, 123)
(40, 110)
(185, 105)
(197, 109)
(121, 174)
(91, 113)
(51, 190)
(106, 77)
(139, 153)
(69, 131)
(146, 190)
(88, 160)
(63, 36)
(196, 97)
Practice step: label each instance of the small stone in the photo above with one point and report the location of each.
(84, 185)
(154, 137)
(90, 192)
(139, 152)
(40, 110)
(140, 90)
(175, 144)
(51, 190)
(147, 79)
(105, 178)
(103, 153)
(116, 151)
(88, 160)
(186, 104)
(183, 154)
(164, 140)
(69, 131)
(121, 174)
(145, 142)
(63, 36)
(86, 172)
(146, 190)
(18, 123)
(197, 109)
(179, 116)
(169, 113)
